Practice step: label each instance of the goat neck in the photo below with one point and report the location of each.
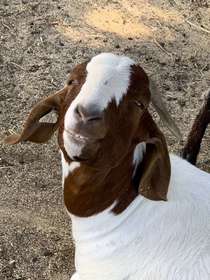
(88, 191)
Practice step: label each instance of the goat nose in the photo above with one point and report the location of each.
(90, 113)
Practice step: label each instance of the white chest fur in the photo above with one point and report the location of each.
(150, 240)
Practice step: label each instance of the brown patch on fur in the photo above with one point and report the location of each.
(88, 191)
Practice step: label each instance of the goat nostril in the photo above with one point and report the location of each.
(87, 114)
(78, 112)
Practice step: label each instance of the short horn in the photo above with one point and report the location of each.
(162, 111)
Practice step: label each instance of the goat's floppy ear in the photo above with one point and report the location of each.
(35, 131)
(154, 170)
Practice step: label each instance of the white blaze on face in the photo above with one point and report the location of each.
(108, 78)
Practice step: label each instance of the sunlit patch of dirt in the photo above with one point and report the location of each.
(141, 20)
(145, 10)
(80, 35)
(70, 32)
(114, 21)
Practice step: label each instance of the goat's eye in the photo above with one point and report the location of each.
(73, 82)
(139, 104)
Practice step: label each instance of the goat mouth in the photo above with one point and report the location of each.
(78, 137)
(80, 148)
(79, 159)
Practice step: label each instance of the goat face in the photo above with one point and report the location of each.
(104, 103)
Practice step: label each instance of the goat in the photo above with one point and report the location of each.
(192, 147)
(136, 212)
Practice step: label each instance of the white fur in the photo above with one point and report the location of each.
(68, 168)
(73, 149)
(150, 240)
(65, 166)
(75, 276)
(108, 78)
(138, 154)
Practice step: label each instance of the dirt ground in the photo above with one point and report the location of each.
(40, 41)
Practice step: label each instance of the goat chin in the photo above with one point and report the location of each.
(80, 147)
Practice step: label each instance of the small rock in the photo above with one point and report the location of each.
(181, 102)
(166, 87)
(1, 59)
(177, 59)
(12, 262)
(179, 88)
(127, 49)
(6, 3)
(47, 253)
(61, 43)
(21, 159)
(162, 44)
(35, 259)
(171, 97)
(206, 68)
(34, 68)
